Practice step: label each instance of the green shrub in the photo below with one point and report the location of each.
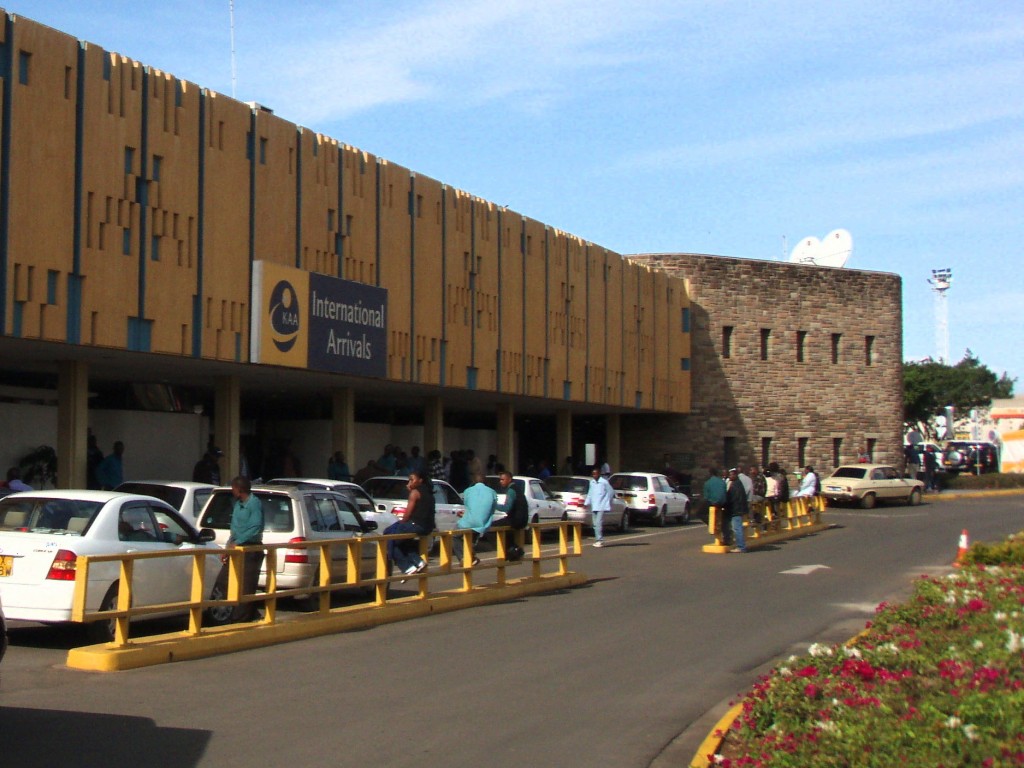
(1008, 552)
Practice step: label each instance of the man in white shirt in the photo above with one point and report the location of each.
(598, 501)
(809, 483)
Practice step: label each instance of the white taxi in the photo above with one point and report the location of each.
(651, 495)
(869, 484)
(572, 491)
(42, 533)
(543, 505)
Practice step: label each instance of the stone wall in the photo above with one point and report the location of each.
(845, 395)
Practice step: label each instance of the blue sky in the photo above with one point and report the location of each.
(663, 125)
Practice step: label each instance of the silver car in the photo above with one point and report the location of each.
(354, 492)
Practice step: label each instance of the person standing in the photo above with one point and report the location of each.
(746, 482)
(337, 467)
(598, 501)
(207, 469)
(246, 531)
(930, 466)
(714, 496)
(436, 465)
(110, 472)
(517, 511)
(913, 461)
(481, 502)
(419, 518)
(735, 508)
(93, 457)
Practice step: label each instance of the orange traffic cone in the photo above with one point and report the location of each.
(961, 552)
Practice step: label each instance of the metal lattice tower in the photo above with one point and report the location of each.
(940, 281)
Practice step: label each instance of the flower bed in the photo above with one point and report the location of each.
(937, 681)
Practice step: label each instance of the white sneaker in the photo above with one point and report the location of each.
(599, 543)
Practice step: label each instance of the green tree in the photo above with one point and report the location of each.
(929, 386)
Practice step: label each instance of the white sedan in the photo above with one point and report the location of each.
(651, 495)
(187, 497)
(42, 533)
(544, 506)
(871, 484)
(391, 493)
(572, 490)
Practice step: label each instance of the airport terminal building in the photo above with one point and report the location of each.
(175, 264)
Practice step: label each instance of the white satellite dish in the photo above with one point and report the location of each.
(833, 251)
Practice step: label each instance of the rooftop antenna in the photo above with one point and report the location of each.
(234, 71)
(941, 280)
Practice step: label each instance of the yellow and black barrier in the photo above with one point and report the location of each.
(769, 522)
(198, 641)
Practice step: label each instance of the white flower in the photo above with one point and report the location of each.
(888, 648)
(784, 671)
(852, 653)
(719, 759)
(978, 645)
(971, 732)
(1013, 642)
(792, 658)
(951, 599)
(827, 726)
(819, 649)
(954, 722)
(999, 616)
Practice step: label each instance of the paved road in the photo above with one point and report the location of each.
(610, 674)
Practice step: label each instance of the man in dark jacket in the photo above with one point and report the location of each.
(517, 512)
(735, 508)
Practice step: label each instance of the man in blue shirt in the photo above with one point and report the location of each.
(598, 501)
(246, 531)
(517, 511)
(110, 472)
(714, 496)
(481, 502)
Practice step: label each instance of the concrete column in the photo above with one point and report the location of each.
(506, 428)
(343, 425)
(72, 423)
(433, 425)
(563, 438)
(227, 425)
(613, 437)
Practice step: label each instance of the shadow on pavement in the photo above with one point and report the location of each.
(47, 737)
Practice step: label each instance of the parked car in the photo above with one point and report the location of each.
(869, 484)
(187, 497)
(354, 492)
(292, 515)
(3, 632)
(571, 490)
(970, 456)
(42, 533)
(651, 495)
(390, 494)
(544, 506)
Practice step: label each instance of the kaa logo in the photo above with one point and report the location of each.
(284, 316)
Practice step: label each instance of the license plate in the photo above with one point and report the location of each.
(6, 565)
(832, 488)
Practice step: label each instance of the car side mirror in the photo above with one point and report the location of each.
(369, 525)
(206, 535)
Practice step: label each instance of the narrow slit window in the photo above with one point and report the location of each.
(766, 337)
(801, 345)
(869, 350)
(836, 339)
(727, 341)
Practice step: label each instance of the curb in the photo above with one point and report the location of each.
(980, 494)
(180, 646)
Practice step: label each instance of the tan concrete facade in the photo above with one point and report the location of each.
(134, 205)
(791, 363)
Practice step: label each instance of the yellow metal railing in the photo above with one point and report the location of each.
(569, 545)
(766, 519)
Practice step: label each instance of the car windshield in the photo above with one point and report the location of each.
(854, 473)
(277, 512)
(36, 515)
(392, 488)
(173, 496)
(629, 482)
(560, 484)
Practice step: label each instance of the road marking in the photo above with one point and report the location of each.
(803, 570)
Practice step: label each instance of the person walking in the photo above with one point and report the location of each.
(246, 531)
(598, 501)
(735, 508)
(930, 467)
(481, 502)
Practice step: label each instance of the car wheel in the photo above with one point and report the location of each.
(103, 631)
(868, 502)
(219, 615)
(624, 521)
(659, 520)
(535, 518)
(914, 498)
